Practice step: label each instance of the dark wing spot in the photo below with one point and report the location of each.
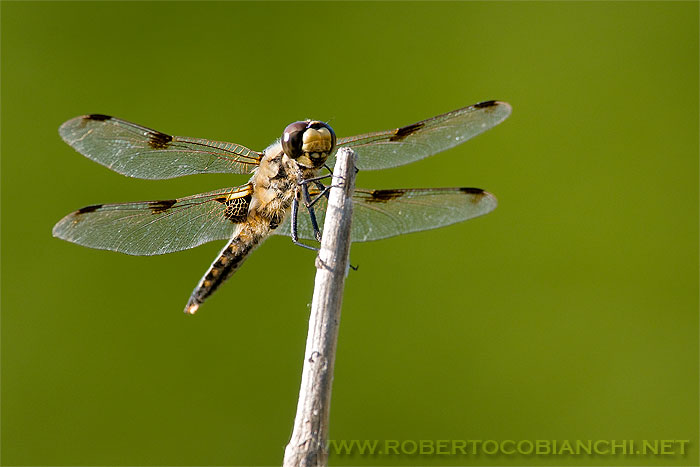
(483, 105)
(472, 191)
(91, 208)
(382, 196)
(477, 192)
(158, 140)
(401, 133)
(236, 209)
(98, 117)
(159, 207)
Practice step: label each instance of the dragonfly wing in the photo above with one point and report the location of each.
(385, 213)
(392, 148)
(157, 227)
(137, 151)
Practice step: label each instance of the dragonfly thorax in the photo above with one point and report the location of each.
(308, 142)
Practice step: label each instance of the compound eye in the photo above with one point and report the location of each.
(292, 139)
(324, 135)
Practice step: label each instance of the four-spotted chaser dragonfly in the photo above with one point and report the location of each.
(283, 176)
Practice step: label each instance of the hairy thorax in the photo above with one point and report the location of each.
(275, 184)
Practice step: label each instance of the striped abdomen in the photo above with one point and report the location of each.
(229, 260)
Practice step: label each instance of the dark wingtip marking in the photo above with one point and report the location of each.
(486, 104)
(91, 208)
(401, 133)
(472, 191)
(98, 117)
(382, 196)
(161, 206)
(478, 194)
(158, 140)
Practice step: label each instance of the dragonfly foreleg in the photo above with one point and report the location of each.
(325, 190)
(314, 179)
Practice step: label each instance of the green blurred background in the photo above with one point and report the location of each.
(571, 312)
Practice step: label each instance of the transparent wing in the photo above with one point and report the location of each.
(157, 227)
(384, 213)
(413, 142)
(137, 151)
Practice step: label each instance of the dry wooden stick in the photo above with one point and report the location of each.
(308, 445)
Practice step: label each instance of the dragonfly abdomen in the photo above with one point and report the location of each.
(228, 261)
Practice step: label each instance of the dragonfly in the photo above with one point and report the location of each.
(284, 176)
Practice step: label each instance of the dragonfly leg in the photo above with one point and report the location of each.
(309, 203)
(295, 212)
(325, 190)
(294, 225)
(312, 214)
(320, 185)
(320, 177)
(308, 247)
(315, 179)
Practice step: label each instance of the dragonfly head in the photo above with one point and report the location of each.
(309, 142)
